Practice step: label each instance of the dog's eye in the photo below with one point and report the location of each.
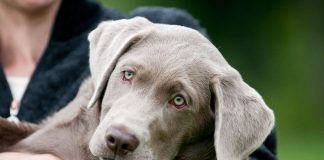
(128, 75)
(178, 102)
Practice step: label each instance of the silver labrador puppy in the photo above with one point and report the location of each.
(164, 86)
(157, 92)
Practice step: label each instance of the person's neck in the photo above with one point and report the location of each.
(23, 38)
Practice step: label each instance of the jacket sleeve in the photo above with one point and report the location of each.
(267, 151)
(168, 16)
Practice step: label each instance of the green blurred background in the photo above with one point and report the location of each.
(278, 47)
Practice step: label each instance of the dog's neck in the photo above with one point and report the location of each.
(202, 149)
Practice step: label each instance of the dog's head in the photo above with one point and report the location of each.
(163, 86)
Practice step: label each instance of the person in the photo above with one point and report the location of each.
(44, 56)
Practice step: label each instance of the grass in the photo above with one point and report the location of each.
(301, 148)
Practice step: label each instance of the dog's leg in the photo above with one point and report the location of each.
(64, 138)
(67, 133)
(11, 133)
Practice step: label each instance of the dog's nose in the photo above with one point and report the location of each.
(120, 140)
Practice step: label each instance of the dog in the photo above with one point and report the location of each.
(156, 92)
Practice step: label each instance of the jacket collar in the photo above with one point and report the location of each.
(75, 17)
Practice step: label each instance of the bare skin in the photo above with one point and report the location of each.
(23, 156)
(25, 27)
(24, 33)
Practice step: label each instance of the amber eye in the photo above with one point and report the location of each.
(128, 75)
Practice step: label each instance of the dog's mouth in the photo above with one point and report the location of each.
(132, 156)
(113, 156)
(106, 159)
(102, 158)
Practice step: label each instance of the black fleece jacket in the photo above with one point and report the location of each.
(64, 64)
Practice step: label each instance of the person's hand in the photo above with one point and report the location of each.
(24, 156)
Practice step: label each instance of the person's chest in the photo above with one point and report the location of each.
(54, 82)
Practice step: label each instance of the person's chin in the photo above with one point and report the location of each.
(32, 6)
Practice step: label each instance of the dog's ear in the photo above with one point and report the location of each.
(108, 42)
(242, 119)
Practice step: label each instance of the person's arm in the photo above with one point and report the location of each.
(24, 156)
(172, 16)
(267, 151)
